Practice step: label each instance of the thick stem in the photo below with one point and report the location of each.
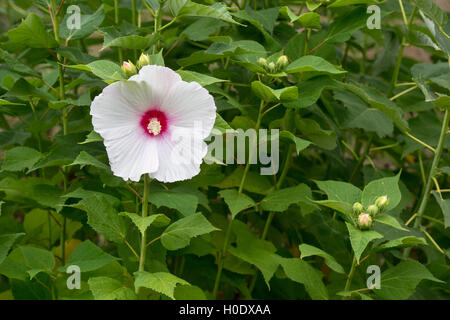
(230, 222)
(144, 214)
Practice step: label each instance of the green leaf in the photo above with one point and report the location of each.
(143, 223)
(105, 288)
(202, 79)
(35, 259)
(402, 242)
(189, 293)
(307, 250)
(104, 218)
(161, 282)
(340, 191)
(20, 158)
(6, 242)
(340, 206)
(88, 24)
(300, 144)
(399, 282)
(312, 64)
(85, 158)
(92, 137)
(113, 38)
(179, 234)
(32, 33)
(89, 257)
(301, 272)
(325, 139)
(390, 221)
(236, 202)
(103, 69)
(343, 3)
(280, 200)
(183, 202)
(189, 8)
(306, 20)
(445, 207)
(268, 94)
(202, 28)
(432, 11)
(381, 187)
(359, 239)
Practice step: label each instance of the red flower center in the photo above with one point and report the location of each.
(154, 122)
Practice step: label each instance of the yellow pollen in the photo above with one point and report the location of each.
(154, 126)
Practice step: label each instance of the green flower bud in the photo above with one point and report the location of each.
(382, 202)
(282, 62)
(262, 62)
(271, 67)
(357, 208)
(364, 221)
(372, 210)
(144, 60)
(129, 68)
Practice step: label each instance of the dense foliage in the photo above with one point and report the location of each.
(362, 113)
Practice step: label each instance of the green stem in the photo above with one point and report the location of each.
(350, 275)
(116, 21)
(222, 254)
(157, 27)
(144, 214)
(398, 62)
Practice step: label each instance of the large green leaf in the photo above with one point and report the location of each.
(382, 187)
(313, 64)
(268, 94)
(32, 33)
(6, 242)
(142, 223)
(399, 282)
(104, 218)
(445, 207)
(89, 257)
(88, 24)
(183, 202)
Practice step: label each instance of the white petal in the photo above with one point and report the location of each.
(189, 105)
(132, 155)
(179, 159)
(159, 79)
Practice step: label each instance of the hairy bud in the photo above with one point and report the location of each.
(357, 208)
(282, 62)
(382, 202)
(372, 210)
(144, 60)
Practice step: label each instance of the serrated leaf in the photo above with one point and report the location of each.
(390, 221)
(183, 202)
(85, 158)
(88, 24)
(161, 282)
(32, 33)
(179, 234)
(300, 144)
(268, 94)
(104, 69)
(20, 158)
(6, 242)
(402, 242)
(143, 223)
(445, 207)
(202, 79)
(105, 288)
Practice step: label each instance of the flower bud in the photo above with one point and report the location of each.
(271, 67)
(372, 210)
(357, 208)
(364, 221)
(144, 60)
(282, 62)
(262, 62)
(382, 202)
(129, 68)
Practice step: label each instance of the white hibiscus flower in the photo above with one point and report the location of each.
(154, 123)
